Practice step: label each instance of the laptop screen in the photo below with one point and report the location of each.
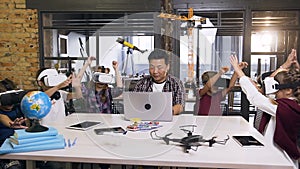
(148, 106)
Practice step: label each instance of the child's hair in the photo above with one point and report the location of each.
(207, 75)
(292, 79)
(101, 69)
(6, 85)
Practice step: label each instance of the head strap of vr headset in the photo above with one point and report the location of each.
(272, 85)
(287, 86)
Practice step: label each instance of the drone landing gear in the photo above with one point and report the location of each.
(187, 148)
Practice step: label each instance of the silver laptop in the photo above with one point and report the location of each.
(148, 106)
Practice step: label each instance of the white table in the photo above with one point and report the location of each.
(137, 148)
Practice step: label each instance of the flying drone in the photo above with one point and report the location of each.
(190, 142)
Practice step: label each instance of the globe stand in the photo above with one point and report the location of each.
(36, 126)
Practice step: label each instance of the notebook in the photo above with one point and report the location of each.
(148, 106)
(247, 141)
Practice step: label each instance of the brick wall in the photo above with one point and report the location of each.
(19, 59)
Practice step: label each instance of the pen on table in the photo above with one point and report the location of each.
(69, 143)
(74, 142)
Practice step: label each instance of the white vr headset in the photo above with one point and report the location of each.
(52, 77)
(272, 86)
(103, 78)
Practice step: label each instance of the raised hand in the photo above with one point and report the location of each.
(243, 65)
(224, 69)
(90, 59)
(76, 81)
(236, 66)
(115, 64)
(295, 60)
(291, 59)
(66, 82)
(234, 62)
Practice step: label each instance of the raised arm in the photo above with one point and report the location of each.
(76, 80)
(85, 66)
(290, 61)
(235, 64)
(119, 82)
(253, 95)
(295, 61)
(234, 77)
(65, 83)
(212, 81)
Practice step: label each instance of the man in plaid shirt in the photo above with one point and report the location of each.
(160, 81)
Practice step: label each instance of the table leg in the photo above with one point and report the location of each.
(30, 164)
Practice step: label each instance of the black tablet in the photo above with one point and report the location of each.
(102, 131)
(247, 141)
(84, 125)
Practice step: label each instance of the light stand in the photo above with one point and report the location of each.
(129, 52)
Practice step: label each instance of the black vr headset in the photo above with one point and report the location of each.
(12, 95)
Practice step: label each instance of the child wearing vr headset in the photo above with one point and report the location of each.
(284, 112)
(210, 95)
(11, 118)
(98, 95)
(51, 82)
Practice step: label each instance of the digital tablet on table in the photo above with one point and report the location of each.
(104, 131)
(84, 125)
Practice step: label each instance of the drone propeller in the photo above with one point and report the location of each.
(168, 134)
(189, 132)
(223, 142)
(186, 131)
(185, 126)
(213, 141)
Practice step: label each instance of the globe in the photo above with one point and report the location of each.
(35, 105)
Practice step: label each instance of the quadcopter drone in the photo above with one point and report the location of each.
(190, 142)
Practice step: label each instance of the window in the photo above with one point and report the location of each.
(98, 33)
(274, 34)
(63, 45)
